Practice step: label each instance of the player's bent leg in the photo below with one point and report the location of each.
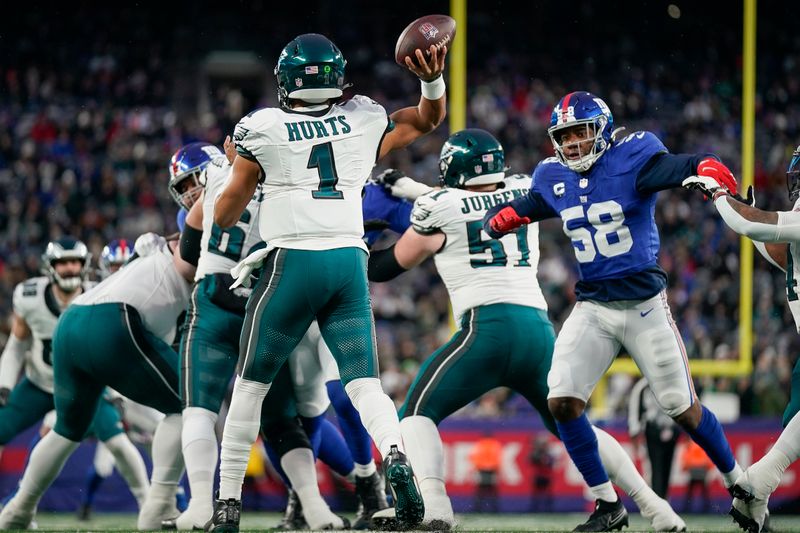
(653, 340)
(199, 445)
(586, 346)
(26, 405)
(623, 473)
(44, 465)
(167, 471)
(107, 425)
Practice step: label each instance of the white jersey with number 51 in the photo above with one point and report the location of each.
(315, 165)
(476, 269)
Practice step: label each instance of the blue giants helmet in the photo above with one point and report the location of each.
(114, 255)
(576, 109)
(185, 168)
(793, 176)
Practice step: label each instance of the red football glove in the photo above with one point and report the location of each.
(714, 169)
(505, 221)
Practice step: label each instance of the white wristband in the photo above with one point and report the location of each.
(433, 90)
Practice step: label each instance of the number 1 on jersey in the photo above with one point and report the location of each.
(321, 158)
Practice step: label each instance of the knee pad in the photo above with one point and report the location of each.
(284, 435)
(674, 400)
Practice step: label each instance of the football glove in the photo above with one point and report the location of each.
(148, 244)
(241, 272)
(750, 199)
(5, 392)
(505, 221)
(706, 185)
(400, 185)
(712, 168)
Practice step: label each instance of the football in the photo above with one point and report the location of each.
(438, 30)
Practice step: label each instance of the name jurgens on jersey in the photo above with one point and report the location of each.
(486, 202)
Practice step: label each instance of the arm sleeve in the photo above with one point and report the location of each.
(786, 230)
(383, 265)
(763, 251)
(191, 239)
(532, 205)
(666, 171)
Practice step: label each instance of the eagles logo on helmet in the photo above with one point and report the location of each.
(471, 157)
(65, 249)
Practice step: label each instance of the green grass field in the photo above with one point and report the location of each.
(468, 522)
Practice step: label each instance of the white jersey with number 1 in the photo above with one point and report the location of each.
(315, 165)
(221, 249)
(476, 269)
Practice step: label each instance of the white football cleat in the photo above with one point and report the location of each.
(662, 516)
(153, 512)
(14, 516)
(754, 487)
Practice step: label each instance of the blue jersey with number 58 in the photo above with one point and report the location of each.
(610, 221)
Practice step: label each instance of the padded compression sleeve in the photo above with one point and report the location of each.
(190, 244)
(787, 228)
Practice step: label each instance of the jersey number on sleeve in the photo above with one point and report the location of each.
(321, 158)
(479, 245)
(611, 237)
(228, 242)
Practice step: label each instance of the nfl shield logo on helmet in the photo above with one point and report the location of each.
(298, 82)
(429, 31)
(478, 169)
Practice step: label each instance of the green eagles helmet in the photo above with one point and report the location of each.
(471, 157)
(310, 68)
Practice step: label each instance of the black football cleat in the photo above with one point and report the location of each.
(84, 512)
(408, 504)
(607, 516)
(226, 516)
(371, 496)
(293, 518)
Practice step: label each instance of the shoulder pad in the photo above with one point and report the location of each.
(635, 150)
(427, 214)
(27, 292)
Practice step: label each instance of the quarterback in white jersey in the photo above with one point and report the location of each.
(313, 156)
(505, 338)
(38, 304)
(776, 235)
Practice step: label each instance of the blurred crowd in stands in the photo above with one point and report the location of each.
(88, 125)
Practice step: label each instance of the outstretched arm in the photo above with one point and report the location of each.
(410, 123)
(668, 171)
(507, 217)
(759, 225)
